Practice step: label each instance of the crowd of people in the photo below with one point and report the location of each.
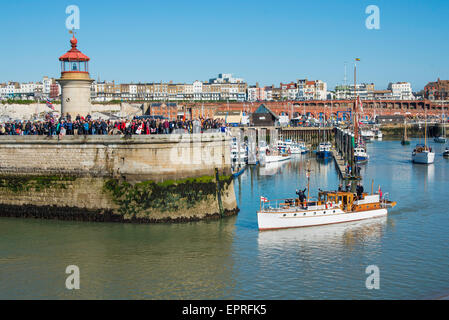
(87, 126)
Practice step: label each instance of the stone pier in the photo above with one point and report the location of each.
(158, 178)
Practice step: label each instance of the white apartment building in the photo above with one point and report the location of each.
(255, 93)
(292, 93)
(311, 90)
(401, 91)
(197, 90)
(226, 78)
(363, 90)
(46, 85)
(23, 91)
(133, 91)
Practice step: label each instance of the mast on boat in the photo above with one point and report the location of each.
(355, 118)
(442, 119)
(405, 129)
(425, 128)
(308, 180)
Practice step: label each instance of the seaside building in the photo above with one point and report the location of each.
(311, 90)
(264, 116)
(289, 91)
(363, 90)
(226, 78)
(401, 91)
(47, 88)
(438, 90)
(256, 93)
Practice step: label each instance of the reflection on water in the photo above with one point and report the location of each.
(271, 168)
(230, 259)
(179, 261)
(338, 235)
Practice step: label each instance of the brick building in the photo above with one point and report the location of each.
(437, 90)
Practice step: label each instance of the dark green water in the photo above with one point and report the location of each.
(230, 259)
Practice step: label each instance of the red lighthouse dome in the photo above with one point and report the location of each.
(74, 60)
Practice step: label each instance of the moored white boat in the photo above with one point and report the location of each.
(324, 150)
(367, 134)
(440, 140)
(295, 149)
(423, 154)
(360, 154)
(303, 147)
(377, 133)
(239, 155)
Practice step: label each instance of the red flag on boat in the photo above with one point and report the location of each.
(380, 192)
(263, 199)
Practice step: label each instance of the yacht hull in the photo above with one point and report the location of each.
(423, 157)
(274, 221)
(324, 154)
(440, 140)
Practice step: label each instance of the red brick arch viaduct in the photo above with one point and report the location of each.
(380, 107)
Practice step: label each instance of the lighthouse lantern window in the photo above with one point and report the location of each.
(74, 60)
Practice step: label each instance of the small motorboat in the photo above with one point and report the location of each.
(360, 154)
(303, 147)
(440, 140)
(294, 149)
(324, 150)
(378, 133)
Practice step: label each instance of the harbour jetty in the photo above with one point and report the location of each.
(343, 154)
(156, 178)
(310, 135)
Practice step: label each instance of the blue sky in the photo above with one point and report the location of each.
(258, 40)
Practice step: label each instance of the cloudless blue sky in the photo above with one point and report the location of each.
(258, 40)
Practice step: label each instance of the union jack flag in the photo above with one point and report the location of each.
(49, 104)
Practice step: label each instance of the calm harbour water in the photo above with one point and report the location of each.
(230, 259)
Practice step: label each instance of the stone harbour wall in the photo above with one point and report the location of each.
(154, 157)
(166, 178)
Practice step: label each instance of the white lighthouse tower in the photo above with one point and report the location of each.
(75, 82)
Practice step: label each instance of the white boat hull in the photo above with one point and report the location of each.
(423, 157)
(272, 221)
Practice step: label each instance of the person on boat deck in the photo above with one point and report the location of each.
(340, 187)
(348, 187)
(301, 195)
(359, 191)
